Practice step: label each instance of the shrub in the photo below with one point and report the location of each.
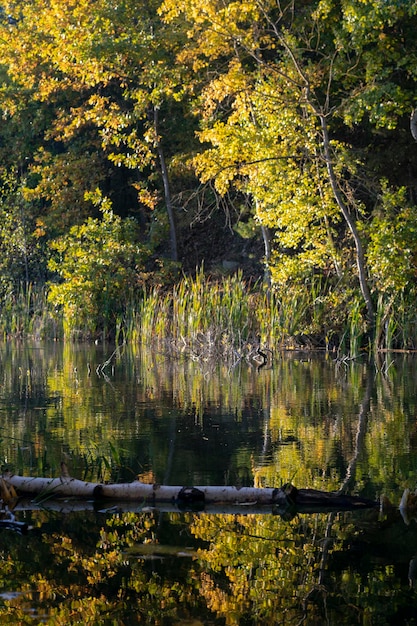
(99, 263)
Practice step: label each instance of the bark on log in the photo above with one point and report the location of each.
(52, 487)
(186, 497)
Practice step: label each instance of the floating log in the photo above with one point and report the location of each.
(51, 487)
(284, 497)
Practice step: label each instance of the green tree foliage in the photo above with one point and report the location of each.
(302, 107)
(102, 75)
(100, 263)
(117, 69)
(293, 116)
(20, 252)
(392, 250)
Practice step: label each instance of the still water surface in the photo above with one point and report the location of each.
(115, 415)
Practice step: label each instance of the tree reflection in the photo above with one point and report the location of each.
(193, 423)
(154, 568)
(348, 428)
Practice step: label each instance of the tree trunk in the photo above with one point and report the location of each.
(360, 256)
(361, 432)
(167, 189)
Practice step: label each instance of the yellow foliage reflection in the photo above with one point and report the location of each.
(157, 568)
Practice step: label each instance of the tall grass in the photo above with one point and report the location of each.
(355, 328)
(225, 318)
(204, 318)
(228, 318)
(396, 323)
(27, 312)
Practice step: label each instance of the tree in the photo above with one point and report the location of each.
(288, 86)
(107, 74)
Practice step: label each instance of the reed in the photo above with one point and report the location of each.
(401, 323)
(227, 318)
(202, 317)
(101, 462)
(396, 323)
(27, 312)
(356, 328)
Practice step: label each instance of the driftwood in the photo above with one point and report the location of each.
(282, 498)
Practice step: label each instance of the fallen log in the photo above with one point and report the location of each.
(284, 497)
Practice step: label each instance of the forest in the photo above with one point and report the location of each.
(227, 174)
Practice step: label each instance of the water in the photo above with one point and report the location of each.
(115, 415)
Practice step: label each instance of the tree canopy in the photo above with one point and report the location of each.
(292, 117)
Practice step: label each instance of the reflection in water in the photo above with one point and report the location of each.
(310, 421)
(176, 568)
